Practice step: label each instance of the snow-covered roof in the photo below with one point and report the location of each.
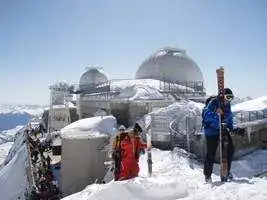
(92, 127)
(256, 104)
(157, 84)
(143, 89)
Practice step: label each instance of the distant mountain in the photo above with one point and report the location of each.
(14, 115)
(237, 100)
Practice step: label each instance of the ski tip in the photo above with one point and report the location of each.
(221, 68)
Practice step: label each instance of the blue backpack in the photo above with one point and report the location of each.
(210, 98)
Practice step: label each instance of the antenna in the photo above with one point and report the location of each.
(88, 67)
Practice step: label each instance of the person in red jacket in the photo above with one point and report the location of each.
(130, 145)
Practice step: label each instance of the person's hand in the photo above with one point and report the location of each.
(240, 131)
(149, 147)
(219, 111)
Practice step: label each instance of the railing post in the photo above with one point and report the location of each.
(187, 135)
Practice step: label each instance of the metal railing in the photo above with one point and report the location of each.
(195, 88)
(241, 117)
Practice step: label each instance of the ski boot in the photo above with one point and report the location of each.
(229, 176)
(208, 179)
(223, 179)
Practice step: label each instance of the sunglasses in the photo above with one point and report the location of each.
(228, 97)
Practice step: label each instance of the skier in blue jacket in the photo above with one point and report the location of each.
(211, 129)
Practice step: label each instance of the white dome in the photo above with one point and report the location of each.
(92, 77)
(171, 65)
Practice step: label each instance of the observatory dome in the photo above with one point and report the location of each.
(92, 77)
(170, 65)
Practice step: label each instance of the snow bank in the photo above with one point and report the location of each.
(90, 127)
(13, 179)
(181, 107)
(177, 112)
(19, 140)
(4, 149)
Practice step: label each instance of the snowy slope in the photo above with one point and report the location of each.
(174, 177)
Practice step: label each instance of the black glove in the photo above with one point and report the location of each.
(239, 131)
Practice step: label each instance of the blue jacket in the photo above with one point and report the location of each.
(211, 118)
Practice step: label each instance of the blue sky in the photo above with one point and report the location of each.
(42, 42)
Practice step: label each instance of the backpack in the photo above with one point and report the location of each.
(210, 98)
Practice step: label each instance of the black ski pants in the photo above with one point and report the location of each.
(212, 144)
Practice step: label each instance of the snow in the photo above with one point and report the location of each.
(175, 176)
(256, 104)
(92, 127)
(13, 176)
(183, 105)
(140, 92)
(6, 142)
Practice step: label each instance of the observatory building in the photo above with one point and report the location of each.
(91, 78)
(177, 77)
(87, 85)
(169, 73)
(170, 65)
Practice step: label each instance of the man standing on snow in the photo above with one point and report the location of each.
(211, 129)
(116, 151)
(128, 146)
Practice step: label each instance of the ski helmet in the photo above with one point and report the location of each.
(122, 128)
(228, 91)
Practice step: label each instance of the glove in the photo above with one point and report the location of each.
(142, 151)
(239, 131)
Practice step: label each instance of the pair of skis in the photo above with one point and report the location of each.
(149, 154)
(223, 146)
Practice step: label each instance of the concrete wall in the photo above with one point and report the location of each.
(88, 107)
(82, 163)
